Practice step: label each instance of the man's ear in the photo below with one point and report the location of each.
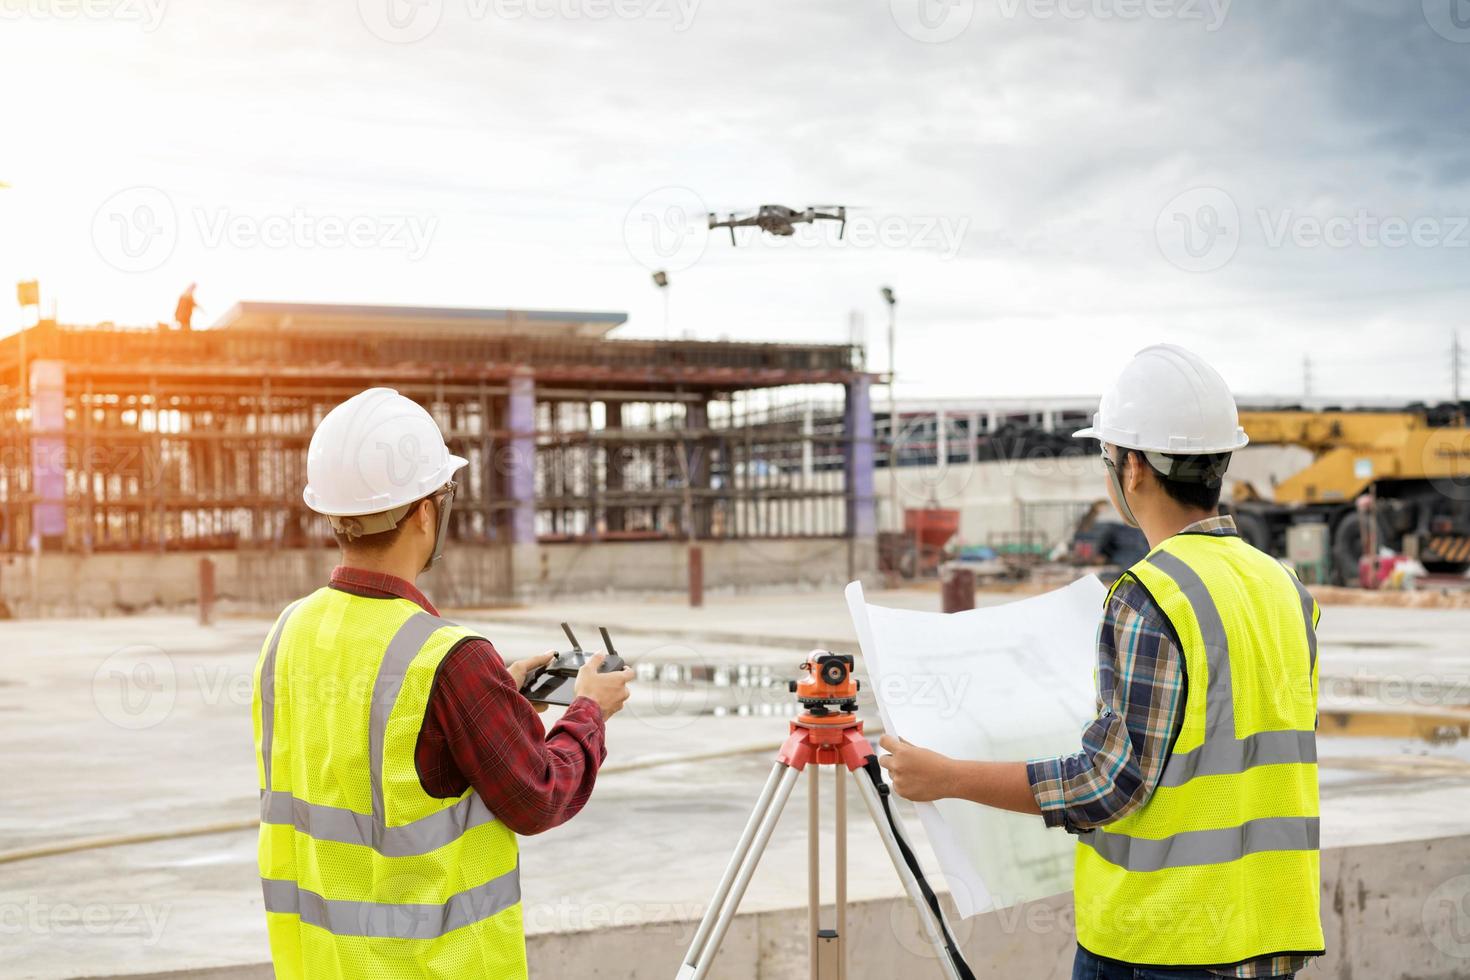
(1132, 470)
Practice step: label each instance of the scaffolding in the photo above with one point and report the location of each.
(149, 439)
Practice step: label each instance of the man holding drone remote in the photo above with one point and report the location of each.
(398, 759)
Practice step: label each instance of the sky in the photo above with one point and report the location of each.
(1047, 185)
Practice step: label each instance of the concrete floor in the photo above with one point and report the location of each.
(123, 726)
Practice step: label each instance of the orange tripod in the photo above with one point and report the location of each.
(826, 733)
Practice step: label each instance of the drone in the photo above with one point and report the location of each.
(776, 219)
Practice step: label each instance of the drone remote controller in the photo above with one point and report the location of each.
(556, 682)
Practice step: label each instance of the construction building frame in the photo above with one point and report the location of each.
(163, 441)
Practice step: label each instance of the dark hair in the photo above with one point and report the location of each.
(376, 544)
(1197, 485)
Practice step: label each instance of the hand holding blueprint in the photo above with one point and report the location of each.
(1003, 683)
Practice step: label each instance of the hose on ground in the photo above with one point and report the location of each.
(56, 848)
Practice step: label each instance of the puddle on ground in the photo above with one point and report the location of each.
(738, 690)
(1345, 759)
(1442, 727)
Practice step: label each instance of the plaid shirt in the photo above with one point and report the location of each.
(479, 731)
(1141, 687)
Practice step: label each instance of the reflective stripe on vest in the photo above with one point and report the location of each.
(388, 920)
(339, 825)
(1194, 847)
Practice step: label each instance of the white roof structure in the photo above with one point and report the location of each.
(327, 318)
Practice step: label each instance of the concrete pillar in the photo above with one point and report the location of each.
(696, 419)
(613, 459)
(862, 516)
(807, 429)
(992, 421)
(941, 437)
(48, 455)
(520, 483)
(1048, 420)
(974, 431)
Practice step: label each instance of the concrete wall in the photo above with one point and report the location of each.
(1396, 911)
(989, 496)
(662, 566)
(126, 582)
(1389, 911)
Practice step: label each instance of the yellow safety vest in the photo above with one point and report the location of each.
(1220, 866)
(364, 874)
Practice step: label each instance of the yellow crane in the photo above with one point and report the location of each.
(1414, 462)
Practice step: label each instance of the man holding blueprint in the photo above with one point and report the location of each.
(1194, 795)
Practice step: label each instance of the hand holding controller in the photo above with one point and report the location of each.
(574, 673)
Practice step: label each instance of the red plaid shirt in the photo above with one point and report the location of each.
(479, 731)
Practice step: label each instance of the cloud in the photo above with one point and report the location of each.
(1056, 141)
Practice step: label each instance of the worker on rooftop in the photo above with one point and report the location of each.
(185, 307)
(1194, 795)
(398, 759)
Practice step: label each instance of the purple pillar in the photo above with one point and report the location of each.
(48, 454)
(521, 480)
(862, 518)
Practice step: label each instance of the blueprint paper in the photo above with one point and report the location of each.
(1001, 683)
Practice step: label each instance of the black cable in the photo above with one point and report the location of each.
(951, 946)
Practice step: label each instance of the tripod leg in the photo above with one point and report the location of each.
(932, 927)
(840, 860)
(742, 847)
(813, 870)
(758, 830)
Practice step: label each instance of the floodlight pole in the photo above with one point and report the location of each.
(661, 280)
(895, 514)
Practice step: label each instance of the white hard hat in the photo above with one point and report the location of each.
(374, 452)
(1168, 400)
